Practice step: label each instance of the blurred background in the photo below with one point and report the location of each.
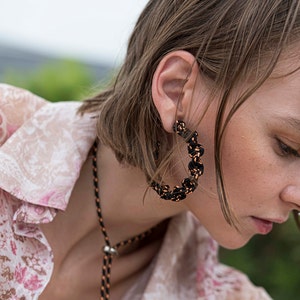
(67, 50)
(54, 46)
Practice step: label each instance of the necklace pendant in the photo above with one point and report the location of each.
(110, 250)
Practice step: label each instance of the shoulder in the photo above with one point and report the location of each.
(227, 283)
(188, 259)
(16, 106)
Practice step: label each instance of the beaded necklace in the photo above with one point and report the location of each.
(109, 251)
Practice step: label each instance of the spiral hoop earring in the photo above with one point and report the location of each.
(195, 166)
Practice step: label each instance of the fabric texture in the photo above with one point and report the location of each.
(43, 146)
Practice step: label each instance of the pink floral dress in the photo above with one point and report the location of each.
(43, 146)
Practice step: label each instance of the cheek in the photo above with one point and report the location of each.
(241, 163)
(247, 171)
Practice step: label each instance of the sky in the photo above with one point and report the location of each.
(94, 30)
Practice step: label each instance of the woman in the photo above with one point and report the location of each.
(196, 143)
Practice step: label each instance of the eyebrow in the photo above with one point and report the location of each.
(291, 122)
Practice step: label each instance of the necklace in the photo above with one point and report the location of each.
(109, 251)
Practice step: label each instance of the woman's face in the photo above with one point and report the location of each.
(260, 161)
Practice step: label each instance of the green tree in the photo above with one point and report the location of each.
(57, 80)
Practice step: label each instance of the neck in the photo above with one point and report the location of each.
(129, 206)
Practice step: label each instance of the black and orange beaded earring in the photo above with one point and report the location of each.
(195, 166)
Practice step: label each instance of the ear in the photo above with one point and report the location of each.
(173, 86)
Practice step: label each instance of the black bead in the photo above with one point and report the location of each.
(196, 168)
(189, 184)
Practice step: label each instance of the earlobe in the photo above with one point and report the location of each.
(172, 86)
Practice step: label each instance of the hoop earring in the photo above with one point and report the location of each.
(195, 166)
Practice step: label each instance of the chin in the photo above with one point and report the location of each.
(232, 242)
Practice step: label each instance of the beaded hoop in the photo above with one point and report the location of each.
(195, 166)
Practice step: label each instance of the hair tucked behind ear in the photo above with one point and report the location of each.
(232, 41)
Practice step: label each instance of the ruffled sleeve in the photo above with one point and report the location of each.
(42, 148)
(16, 107)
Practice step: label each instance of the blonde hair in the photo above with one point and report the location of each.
(230, 39)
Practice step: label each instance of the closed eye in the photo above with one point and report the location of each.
(286, 150)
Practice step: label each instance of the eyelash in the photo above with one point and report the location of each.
(286, 150)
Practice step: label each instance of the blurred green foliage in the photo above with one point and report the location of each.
(271, 261)
(57, 80)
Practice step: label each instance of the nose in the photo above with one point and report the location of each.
(291, 195)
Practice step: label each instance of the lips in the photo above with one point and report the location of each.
(263, 226)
